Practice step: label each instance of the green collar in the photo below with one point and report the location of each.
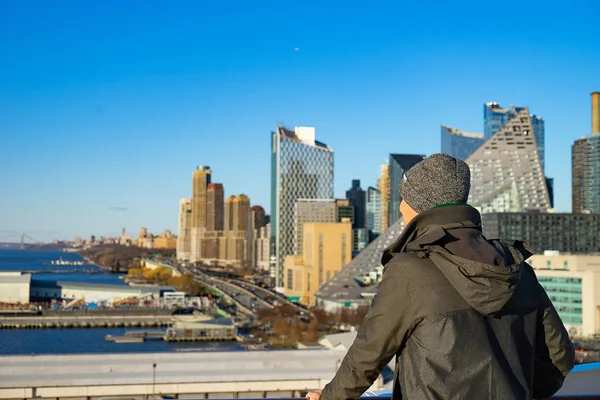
(449, 205)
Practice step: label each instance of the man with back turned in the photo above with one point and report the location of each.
(465, 316)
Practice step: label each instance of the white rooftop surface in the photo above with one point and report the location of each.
(460, 132)
(192, 367)
(14, 277)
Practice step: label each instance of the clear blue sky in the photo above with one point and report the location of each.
(106, 107)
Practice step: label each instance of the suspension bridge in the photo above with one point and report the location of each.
(18, 239)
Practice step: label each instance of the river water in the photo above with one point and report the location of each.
(23, 260)
(72, 341)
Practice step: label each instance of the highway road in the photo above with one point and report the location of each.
(243, 297)
(250, 296)
(265, 294)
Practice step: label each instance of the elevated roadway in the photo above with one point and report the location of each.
(248, 301)
(266, 294)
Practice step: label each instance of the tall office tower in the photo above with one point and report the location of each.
(460, 144)
(358, 200)
(585, 160)
(343, 209)
(215, 211)
(373, 211)
(240, 212)
(184, 228)
(236, 214)
(360, 240)
(550, 186)
(495, 117)
(399, 164)
(383, 184)
(263, 248)
(506, 172)
(256, 219)
(236, 219)
(579, 156)
(301, 168)
(200, 181)
(229, 213)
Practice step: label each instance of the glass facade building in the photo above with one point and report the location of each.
(566, 295)
(399, 164)
(565, 232)
(360, 240)
(358, 199)
(301, 168)
(460, 144)
(506, 173)
(585, 160)
(571, 282)
(495, 117)
(373, 211)
(550, 186)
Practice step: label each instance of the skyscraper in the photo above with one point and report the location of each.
(460, 144)
(301, 168)
(506, 173)
(236, 219)
(215, 212)
(360, 240)
(200, 181)
(399, 164)
(343, 209)
(495, 117)
(358, 200)
(579, 156)
(383, 184)
(550, 186)
(373, 211)
(586, 166)
(256, 219)
(236, 214)
(184, 228)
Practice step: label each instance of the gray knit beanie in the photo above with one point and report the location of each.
(439, 179)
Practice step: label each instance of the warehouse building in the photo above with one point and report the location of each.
(16, 287)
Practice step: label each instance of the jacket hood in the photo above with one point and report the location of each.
(485, 273)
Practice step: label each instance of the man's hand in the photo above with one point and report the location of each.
(316, 395)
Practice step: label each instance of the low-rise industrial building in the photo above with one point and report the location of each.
(16, 287)
(42, 290)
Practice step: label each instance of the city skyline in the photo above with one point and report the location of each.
(102, 136)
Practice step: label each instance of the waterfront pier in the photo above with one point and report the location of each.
(96, 321)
